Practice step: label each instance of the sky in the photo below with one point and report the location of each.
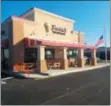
(90, 16)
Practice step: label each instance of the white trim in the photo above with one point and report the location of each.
(54, 15)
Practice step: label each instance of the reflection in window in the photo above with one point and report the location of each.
(6, 53)
(49, 54)
(72, 53)
(2, 32)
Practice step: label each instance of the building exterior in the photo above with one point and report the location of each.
(100, 53)
(43, 39)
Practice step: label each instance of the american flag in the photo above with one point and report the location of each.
(100, 41)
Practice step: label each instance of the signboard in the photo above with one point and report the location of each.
(58, 30)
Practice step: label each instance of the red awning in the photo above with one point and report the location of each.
(28, 42)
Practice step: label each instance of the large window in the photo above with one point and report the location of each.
(6, 53)
(72, 53)
(49, 54)
(30, 55)
(5, 58)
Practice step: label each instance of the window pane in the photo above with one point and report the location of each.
(6, 53)
(49, 54)
(30, 55)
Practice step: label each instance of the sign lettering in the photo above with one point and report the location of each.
(58, 30)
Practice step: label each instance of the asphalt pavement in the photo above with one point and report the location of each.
(84, 88)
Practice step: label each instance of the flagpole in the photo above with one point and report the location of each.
(105, 43)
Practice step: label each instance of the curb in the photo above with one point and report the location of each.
(79, 70)
(51, 76)
(2, 79)
(59, 74)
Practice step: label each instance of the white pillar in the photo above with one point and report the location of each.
(41, 62)
(65, 53)
(65, 60)
(41, 53)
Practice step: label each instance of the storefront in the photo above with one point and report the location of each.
(39, 41)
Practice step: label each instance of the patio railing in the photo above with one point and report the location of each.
(55, 63)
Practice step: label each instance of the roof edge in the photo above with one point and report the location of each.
(55, 15)
(8, 18)
(24, 19)
(26, 12)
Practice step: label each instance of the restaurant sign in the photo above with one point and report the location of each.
(58, 30)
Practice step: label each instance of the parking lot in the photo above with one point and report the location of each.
(91, 87)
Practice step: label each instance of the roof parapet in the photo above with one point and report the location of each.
(66, 19)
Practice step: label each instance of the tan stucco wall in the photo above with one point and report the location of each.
(40, 18)
(40, 33)
(39, 30)
(17, 41)
(80, 38)
(29, 15)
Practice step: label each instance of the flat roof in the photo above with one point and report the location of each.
(49, 13)
(23, 19)
(52, 14)
(55, 15)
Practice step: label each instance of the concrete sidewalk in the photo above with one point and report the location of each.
(78, 69)
(57, 72)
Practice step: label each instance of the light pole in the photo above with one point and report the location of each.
(105, 43)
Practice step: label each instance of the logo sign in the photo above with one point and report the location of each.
(46, 27)
(58, 30)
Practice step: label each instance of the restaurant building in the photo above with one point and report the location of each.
(41, 41)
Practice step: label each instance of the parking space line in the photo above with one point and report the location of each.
(68, 93)
(2, 82)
